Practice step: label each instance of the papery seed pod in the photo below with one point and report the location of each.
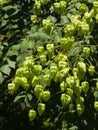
(96, 105)
(37, 90)
(91, 70)
(41, 108)
(32, 114)
(11, 88)
(45, 95)
(86, 52)
(80, 108)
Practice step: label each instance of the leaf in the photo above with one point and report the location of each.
(1, 78)
(4, 22)
(29, 96)
(11, 63)
(64, 20)
(19, 97)
(5, 69)
(52, 19)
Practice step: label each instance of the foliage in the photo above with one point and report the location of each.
(52, 68)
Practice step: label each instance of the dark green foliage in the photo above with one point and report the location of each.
(20, 37)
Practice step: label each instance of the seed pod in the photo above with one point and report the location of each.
(80, 108)
(50, 50)
(81, 69)
(70, 81)
(1, 4)
(53, 70)
(33, 19)
(32, 115)
(45, 95)
(43, 59)
(37, 69)
(62, 6)
(41, 108)
(63, 86)
(91, 70)
(37, 90)
(35, 81)
(86, 52)
(47, 25)
(85, 86)
(57, 7)
(96, 105)
(40, 50)
(69, 92)
(95, 4)
(83, 8)
(11, 88)
(69, 30)
(65, 99)
(47, 79)
(97, 85)
(66, 43)
(62, 64)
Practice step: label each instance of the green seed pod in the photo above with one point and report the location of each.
(97, 85)
(47, 25)
(61, 57)
(40, 49)
(32, 115)
(80, 109)
(69, 30)
(66, 43)
(43, 59)
(37, 69)
(83, 28)
(62, 64)
(24, 83)
(50, 50)
(1, 4)
(37, 90)
(63, 73)
(57, 7)
(81, 69)
(37, 7)
(41, 108)
(83, 8)
(69, 92)
(29, 62)
(62, 6)
(85, 86)
(19, 72)
(86, 52)
(11, 88)
(33, 19)
(47, 79)
(91, 70)
(35, 81)
(45, 95)
(95, 4)
(96, 105)
(53, 70)
(63, 86)
(65, 99)
(78, 90)
(70, 81)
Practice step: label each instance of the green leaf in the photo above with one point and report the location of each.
(5, 69)
(11, 63)
(19, 97)
(29, 96)
(1, 78)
